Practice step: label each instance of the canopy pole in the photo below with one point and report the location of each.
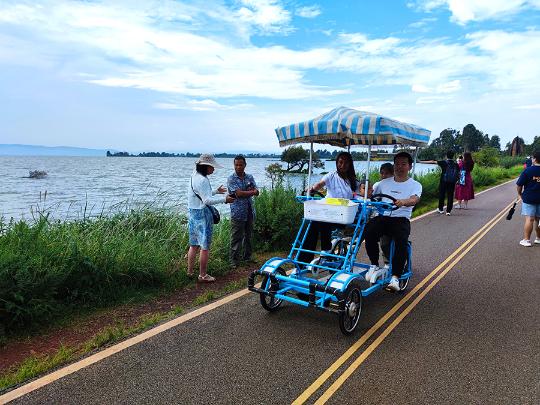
(367, 171)
(309, 169)
(414, 162)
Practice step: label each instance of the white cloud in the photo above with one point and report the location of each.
(201, 105)
(528, 107)
(308, 11)
(464, 11)
(267, 15)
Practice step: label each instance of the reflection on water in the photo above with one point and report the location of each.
(87, 186)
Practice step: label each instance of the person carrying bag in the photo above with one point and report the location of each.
(201, 219)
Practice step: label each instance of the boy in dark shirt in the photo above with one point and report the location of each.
(528, 189)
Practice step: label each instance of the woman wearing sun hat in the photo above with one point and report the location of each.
(201, 223)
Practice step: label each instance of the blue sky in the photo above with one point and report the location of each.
(216, 76)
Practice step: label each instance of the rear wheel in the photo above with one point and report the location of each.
(352, 308)
(271, 303)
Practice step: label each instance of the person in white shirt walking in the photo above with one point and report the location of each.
(201, 223)
(395, 224)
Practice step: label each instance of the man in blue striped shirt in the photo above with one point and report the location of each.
(243, 187)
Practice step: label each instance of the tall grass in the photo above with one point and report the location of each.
(48, 268)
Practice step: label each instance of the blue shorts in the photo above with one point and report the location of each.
(530, 210)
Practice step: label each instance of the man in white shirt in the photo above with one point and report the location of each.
(396, 223)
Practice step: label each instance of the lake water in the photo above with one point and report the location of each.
(86, 186)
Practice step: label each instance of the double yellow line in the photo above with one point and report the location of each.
(447, 265)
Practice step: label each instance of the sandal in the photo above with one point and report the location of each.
(207, 278)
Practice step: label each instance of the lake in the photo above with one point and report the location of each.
(86, 186)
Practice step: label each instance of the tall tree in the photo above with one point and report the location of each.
(298, 157)
(472, 138)
(495, 142)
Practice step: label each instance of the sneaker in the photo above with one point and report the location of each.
(382, 273)
(372, 269)
(537, 241)
(393, 284)
(525, 242)
(447, 214)
(457, 206)
(440, 211)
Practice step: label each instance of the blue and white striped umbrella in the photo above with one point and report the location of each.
(345, 126)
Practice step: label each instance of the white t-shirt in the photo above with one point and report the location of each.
(400, 191)
(337, 187)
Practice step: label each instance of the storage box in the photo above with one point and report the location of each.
(319, 210)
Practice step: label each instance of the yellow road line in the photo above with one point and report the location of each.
(345, 356)
(365, 354)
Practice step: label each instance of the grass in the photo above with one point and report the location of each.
(52, 270)
(34, 366)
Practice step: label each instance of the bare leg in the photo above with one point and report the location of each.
(465, 202)
(537, 223)
(528, 227)
(191, 256)
(203, 259)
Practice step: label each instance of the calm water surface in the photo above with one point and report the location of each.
(86, 186)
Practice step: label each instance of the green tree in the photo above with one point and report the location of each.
(298, 157)
(495, 142)
(472, 138)
(275, 173)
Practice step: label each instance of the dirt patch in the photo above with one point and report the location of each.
(81, 330)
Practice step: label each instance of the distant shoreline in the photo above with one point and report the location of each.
(193, 155)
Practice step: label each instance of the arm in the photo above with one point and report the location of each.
(202, 187)
(519, 191)
(408, 202)
(317, 186)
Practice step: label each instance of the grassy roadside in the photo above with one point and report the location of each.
(37, 365)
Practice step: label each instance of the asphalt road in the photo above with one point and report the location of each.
(474, 337)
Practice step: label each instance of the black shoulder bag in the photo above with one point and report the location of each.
(213, 210)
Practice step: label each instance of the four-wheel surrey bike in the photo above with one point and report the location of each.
(335, 281)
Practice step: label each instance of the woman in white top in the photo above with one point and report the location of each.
(341, 183)
(201, 223)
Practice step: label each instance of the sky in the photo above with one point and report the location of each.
(220, 76)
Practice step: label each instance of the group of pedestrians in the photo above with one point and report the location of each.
(240, 190)
(455, 182)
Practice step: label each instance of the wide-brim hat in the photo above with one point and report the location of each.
(209, 160)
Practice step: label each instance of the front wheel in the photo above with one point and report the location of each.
(351, 309)
(268, 302)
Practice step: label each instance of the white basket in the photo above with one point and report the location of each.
(318, 210)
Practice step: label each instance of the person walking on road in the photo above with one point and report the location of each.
(465, 185)
(447, 183)
(243, 187)
(528, 189)
(200, 219)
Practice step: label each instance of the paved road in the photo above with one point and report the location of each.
(472, 338)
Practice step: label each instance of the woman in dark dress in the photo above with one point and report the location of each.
(465, 189)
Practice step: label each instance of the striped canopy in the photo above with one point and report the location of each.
(344, 126)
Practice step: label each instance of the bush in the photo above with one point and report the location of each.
(487, 157)
(278, 218)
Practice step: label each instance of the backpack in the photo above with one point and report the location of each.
(451, 174)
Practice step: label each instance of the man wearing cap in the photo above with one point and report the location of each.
(243, 187)
(200, 219)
